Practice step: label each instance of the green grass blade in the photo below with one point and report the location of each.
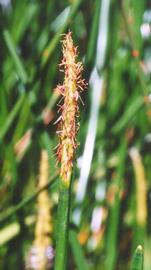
(137, 260)
(114, 216)
(52, 45)
(13, 210)
(11, 117)
(77, 251)
(18, 64)
(131, 111)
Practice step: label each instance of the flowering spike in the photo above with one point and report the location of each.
(70, 91)
(41, 254)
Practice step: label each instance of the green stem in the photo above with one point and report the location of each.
(62, 228)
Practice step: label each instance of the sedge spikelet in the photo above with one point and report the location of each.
(67, 131)
(68, 121)
(141, 186)
(41, 254)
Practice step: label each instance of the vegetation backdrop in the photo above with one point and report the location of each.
(110, 210)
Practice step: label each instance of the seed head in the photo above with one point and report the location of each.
(68, 125)
(41, 254)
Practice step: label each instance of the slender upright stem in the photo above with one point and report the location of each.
(62, 228)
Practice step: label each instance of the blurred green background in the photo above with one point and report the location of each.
(111, 202)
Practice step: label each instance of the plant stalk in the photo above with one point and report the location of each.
(62, 227)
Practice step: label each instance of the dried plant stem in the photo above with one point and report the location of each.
(68, 127)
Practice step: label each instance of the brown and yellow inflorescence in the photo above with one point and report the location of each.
(41, 253)
(141, 186)
(68, 123)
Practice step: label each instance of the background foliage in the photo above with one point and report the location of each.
(111, 204)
